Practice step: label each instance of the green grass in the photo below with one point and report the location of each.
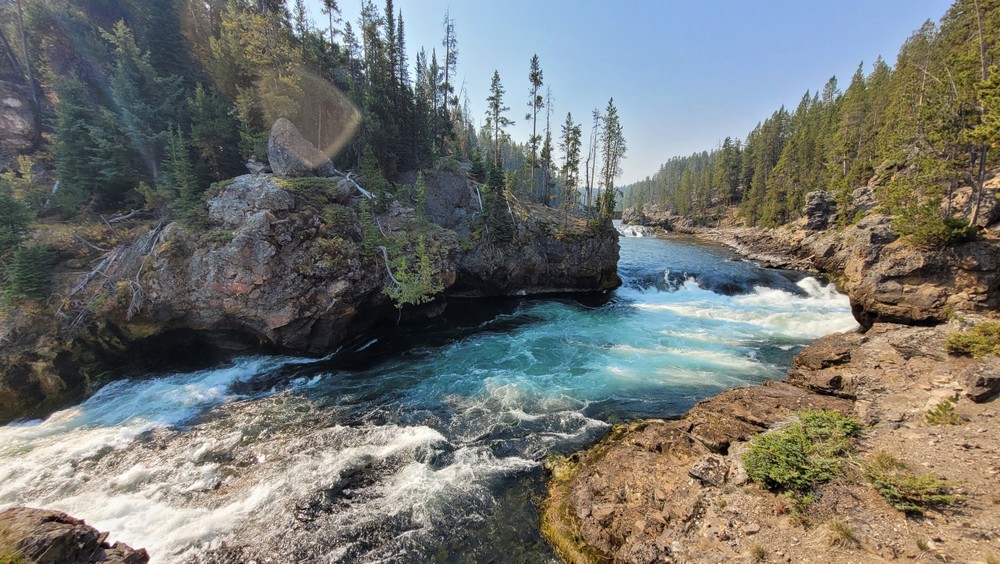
(980, 341)
(904, 490)
(803, 454)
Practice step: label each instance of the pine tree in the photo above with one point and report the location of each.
(29, 273)
(495, 112)
(180, 181)
(535, 103)
(214, 136)
(590, 167)
(448, 69)
(612, 154)
(570, 144)
(332, 11)
(15, 222)
(145, 102)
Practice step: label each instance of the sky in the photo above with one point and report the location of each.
(684, 74)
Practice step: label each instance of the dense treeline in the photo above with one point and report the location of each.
(146, 103)
(154, 100)
(921, 128)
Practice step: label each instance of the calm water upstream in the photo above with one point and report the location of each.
(423, 445)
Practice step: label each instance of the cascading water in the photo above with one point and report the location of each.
(424, 445)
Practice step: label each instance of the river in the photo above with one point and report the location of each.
(424, 444)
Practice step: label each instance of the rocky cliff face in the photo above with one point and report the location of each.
(289, 262)
(886, 279)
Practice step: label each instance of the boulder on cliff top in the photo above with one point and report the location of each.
(291, 155)
(44, 536)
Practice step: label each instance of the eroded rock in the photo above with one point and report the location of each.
(53, 537)
(821, 206)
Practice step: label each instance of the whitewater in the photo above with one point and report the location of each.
(423, 444)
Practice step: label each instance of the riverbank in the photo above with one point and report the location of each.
(678, 490)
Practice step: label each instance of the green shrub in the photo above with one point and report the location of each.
(416, 284)
(981, 340)
(798, 457)
(942, 414)
(904, 490)
(29, 273)
(934, 231)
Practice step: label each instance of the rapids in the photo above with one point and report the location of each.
(425, 444)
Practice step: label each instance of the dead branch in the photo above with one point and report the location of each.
(90, 245)
(126, 217)
(385, 255)
(364, 192)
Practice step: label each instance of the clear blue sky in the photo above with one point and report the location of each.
(684, 74)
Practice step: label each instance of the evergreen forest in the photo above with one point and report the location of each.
(143, 105)
(914, 132)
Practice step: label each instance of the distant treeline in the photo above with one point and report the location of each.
(925, 126)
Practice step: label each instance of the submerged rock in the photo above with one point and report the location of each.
(53, 537)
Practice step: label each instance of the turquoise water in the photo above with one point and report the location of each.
(424, 444)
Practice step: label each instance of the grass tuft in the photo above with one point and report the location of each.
(903, 489)
(841, 534)
(757, 553)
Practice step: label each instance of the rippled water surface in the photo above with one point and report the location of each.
(422, 445)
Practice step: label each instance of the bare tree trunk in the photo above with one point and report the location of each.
(984, 149)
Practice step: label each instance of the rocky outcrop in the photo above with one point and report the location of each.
(53, 537)
(19, 129)
(292, 156)
(629, 497)
(677, 491)
(280, 260)
(821, 206)
(289, 263)
(548, 256)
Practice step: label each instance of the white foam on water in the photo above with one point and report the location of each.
(181, 464)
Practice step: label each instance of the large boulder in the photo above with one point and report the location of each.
(53, 537)
(280, 260)
(982, 379)
(291, 155)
